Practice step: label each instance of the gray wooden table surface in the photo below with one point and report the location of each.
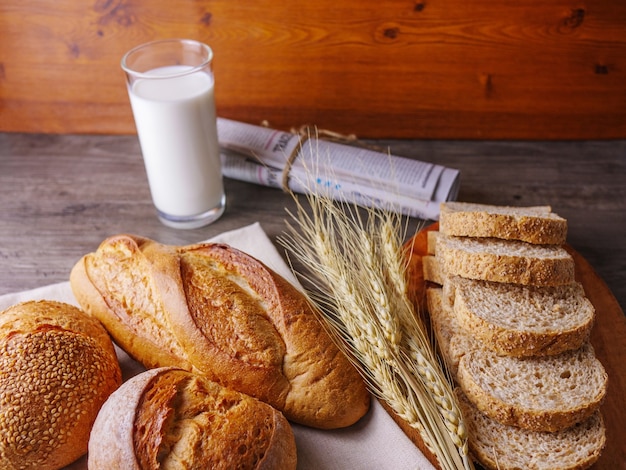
(60, 195)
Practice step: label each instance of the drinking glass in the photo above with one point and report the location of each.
(171, 89)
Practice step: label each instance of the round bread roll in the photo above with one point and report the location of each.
(57, 368)
(168, 418)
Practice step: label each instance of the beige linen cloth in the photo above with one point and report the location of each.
(374, 443)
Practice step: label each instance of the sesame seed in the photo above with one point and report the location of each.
(46, 389)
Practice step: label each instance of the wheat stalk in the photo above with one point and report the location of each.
(356, 270)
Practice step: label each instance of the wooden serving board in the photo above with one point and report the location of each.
(608, 338)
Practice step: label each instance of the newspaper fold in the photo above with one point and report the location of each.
(343, 172)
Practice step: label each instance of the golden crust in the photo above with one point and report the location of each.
(227, 330)
(101, 285)
(212, 309)
(57, 367)
(170, 417)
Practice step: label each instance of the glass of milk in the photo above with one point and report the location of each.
(170, 85)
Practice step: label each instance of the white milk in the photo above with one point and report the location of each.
(175, 119)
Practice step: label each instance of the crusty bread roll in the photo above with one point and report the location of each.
(169, 418)
(215, 310)
(57, 368)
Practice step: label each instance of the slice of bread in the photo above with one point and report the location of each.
(513, 325)
(540, 394)
(545, 393)
(537, 225)
(431, 242)
(432, 270)
(516, 320)
(516, 262)
(450, 340)
(498, 446)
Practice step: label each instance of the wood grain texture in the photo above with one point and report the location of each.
(61, 195)
(393, 68)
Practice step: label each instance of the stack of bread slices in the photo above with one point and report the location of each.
(513, 326)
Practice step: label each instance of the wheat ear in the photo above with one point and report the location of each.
(357, 272)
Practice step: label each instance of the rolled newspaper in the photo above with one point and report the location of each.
(346, 173)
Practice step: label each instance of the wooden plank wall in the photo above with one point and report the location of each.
(481, 69)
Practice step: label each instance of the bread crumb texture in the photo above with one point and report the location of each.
(506, 261)
(541, 394)
(53, 380)
(521, 320)
(503, 447)
(200, 423)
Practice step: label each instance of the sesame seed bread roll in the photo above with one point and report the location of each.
(537, 225)
(214, 310)
(500, 447)
(522, 321)
(57, 368)
(515, 262)
(169, 418)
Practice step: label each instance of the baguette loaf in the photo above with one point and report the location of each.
(500, 447)
(516, 320)
(57, 368)
(214, 310)
(168, 418)
(537, 225)
(515, 262)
